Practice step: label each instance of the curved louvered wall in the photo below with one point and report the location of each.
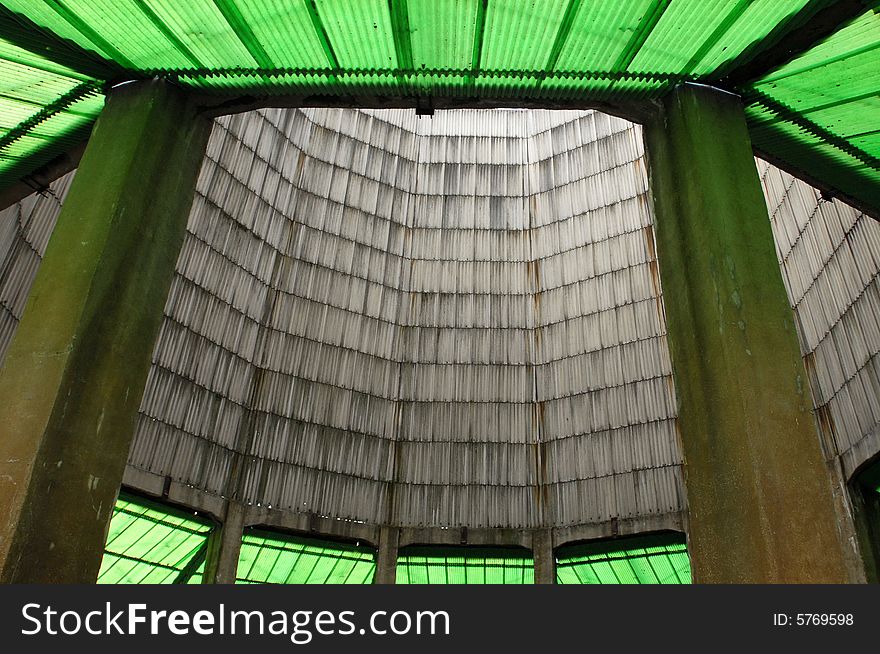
(830, 258)
(25, 228)
(437, 322)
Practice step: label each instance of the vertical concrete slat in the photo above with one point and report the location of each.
(759, 494)
(75, 373)
(545, 560)
(221, 566)
(386, 558)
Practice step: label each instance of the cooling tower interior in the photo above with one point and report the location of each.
(448, 328)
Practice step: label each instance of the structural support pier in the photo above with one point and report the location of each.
(75, 372)
(759, 493)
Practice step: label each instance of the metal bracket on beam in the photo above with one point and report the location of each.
(424, 107)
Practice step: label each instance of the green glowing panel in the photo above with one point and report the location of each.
(465, 565)
(442, 33)
(152, 544)
(362, 33)
(45, 108)
(817, 111)
(644, 560)
(272, 558)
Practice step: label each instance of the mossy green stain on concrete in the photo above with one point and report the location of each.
(759, 494)
(75, 372)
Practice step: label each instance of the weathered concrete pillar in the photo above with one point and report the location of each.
(221, 563)
(759, 494)
(75, 372)
(545, 560)
(386, 559)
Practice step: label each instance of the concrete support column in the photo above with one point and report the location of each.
(75, 372)
(760, 497)
(221, 564)
(386, 559)
(545, 560)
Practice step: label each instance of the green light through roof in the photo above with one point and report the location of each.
(465, 565)
(657, 559)
(270, 558)
(821, 110)
(151, 544)
(45, 108)
(815, 113)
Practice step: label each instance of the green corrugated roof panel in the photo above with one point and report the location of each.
(501, 50)
(748, 22)
(698, 36)
(600, 33)
(270, 35)
(520, 35)
(46, 15)
(658, 559)
(11, 54)
(151, 544)
(653, 37)
(441, 33)
(362, 33)
(465, 565)
(819, 113)
(273, 558)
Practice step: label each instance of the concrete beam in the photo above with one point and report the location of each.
(760, 497)
(40, 180)
(75, 372)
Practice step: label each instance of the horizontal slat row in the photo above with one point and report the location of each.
(830, 258)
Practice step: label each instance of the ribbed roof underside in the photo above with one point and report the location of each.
(815, 113)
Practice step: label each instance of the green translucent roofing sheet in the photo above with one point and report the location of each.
(13, 54)
(442, 33)
(535, 50)
(819, 113)
(271, 558)
(520, 35)
(653, 38)
(151, 544)
(54, 21)
(699, 35)
(45, 108)
(465, 565)
(361, 33)
(600, 33)
(642, 560)
(748, 22)
(280, 34)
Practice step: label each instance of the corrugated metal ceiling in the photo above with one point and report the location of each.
(816, 113)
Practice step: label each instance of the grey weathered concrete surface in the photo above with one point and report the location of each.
(75, 372)
(760, 497)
